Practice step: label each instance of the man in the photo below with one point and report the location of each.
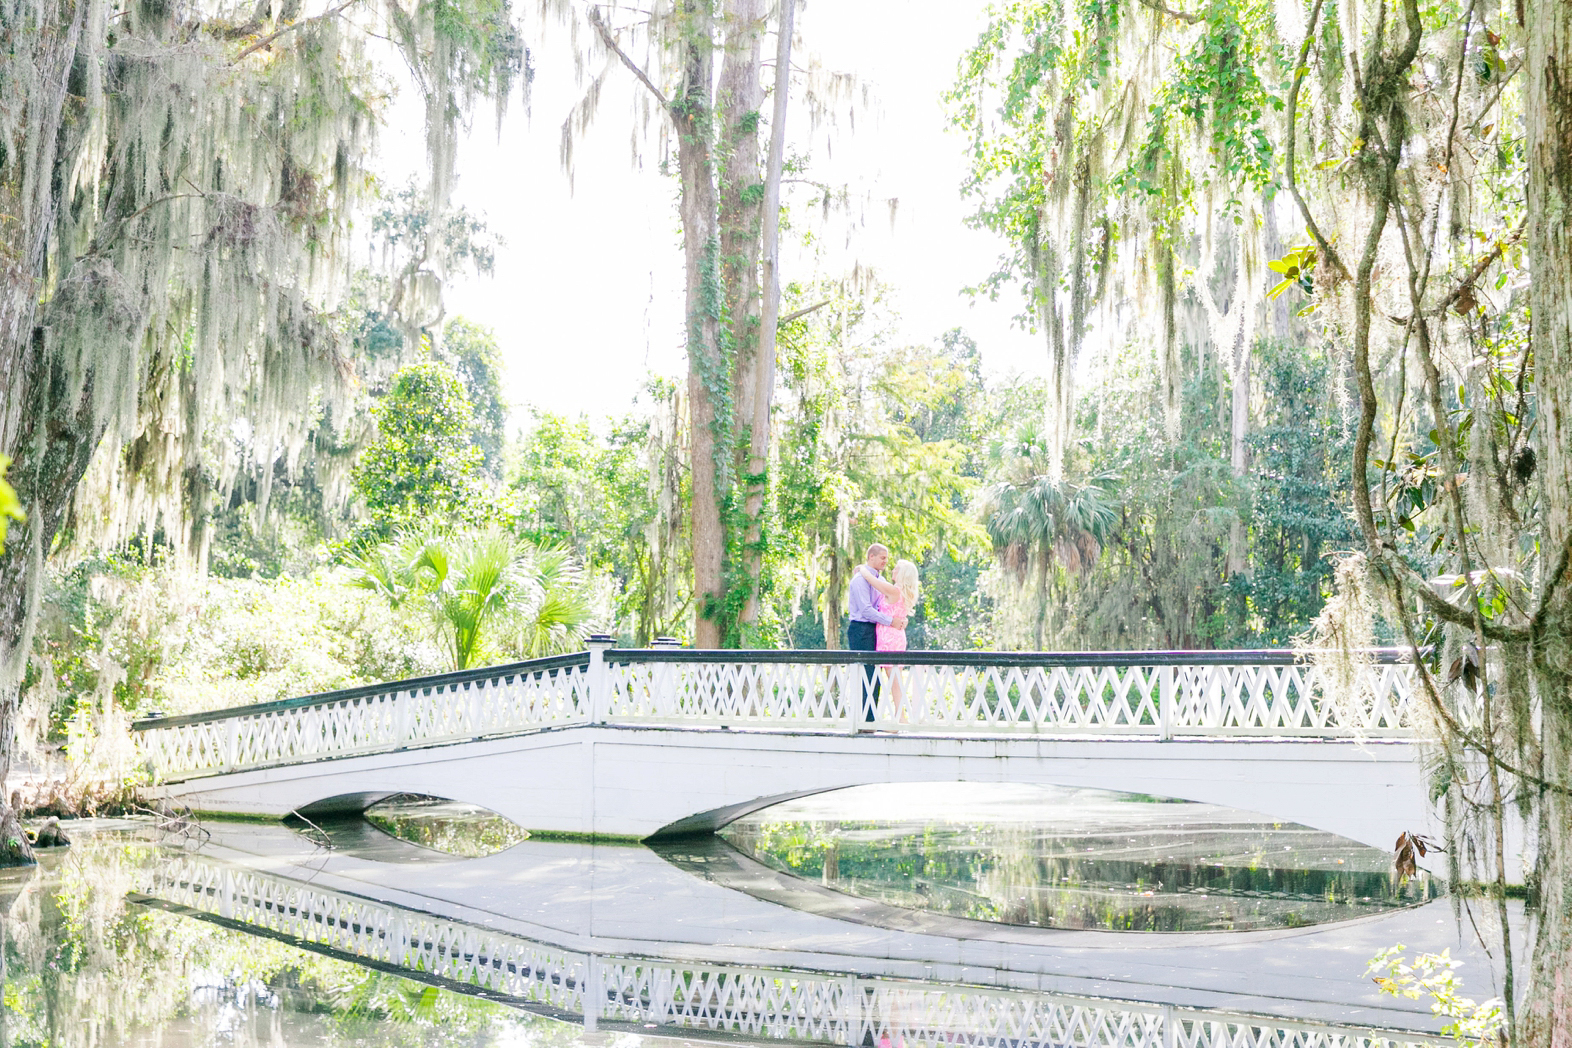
(860, 632)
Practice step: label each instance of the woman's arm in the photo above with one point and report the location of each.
(879, 584)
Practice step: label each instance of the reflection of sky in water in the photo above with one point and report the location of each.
(1073, 858)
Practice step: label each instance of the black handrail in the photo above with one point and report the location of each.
(818, 656)
(815, 656)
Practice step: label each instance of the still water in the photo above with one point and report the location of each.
(84, 965)
(1056, 857)
(433, 923)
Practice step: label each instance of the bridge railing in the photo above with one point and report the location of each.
(424, 711)
(1161, 695)
(697, 999)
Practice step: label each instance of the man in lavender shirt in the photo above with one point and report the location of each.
(865, 615)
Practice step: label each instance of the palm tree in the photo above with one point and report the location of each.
(561, 611)
(1035, 520)
(483, 592)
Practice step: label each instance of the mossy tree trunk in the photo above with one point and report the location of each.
(693, 111)
(727, 201)
(1547, 1019)
(48, 433)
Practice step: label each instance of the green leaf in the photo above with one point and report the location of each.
(1281, 286)
(10, 504)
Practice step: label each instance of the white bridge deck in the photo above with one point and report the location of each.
(647, 742)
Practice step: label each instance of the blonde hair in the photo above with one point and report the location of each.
(905, 579)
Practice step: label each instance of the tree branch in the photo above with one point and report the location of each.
(266, 40)
(1452, 725)
(804, 311)
(1552, 583)
(1300, 69)
(1164, 9)
(604, 32)
(1476, 271)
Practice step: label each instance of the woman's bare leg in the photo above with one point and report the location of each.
(895, 691)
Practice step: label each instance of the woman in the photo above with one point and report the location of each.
(896, 599)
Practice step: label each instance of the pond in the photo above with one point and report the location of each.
(1056, 857)
(429, 922)
(86, 965)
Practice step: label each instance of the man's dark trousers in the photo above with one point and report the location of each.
(861, 636)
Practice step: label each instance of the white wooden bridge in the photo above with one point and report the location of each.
(658, 742)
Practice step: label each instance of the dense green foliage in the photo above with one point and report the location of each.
(486, 594)
(422, 463)
(1277, 252)
(1162, 579)
(613, 498)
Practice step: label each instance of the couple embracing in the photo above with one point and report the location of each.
(879, 610)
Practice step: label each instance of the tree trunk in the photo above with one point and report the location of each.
(49, 438)
(739, 98)
(1076, 325)
(764, 370)
(1043, 563)
(834, 597)
(1061, 377)
(1239, 450)
(708, 374)
(1169, 366)
(1547, 1018)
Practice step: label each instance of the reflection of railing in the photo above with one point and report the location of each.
(1154, 694)
(635, 993)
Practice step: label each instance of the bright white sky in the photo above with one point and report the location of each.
(586, 300)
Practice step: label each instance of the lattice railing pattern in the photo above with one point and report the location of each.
(727, 1000)
(1120, 695)
(368, 721)
(1164, 700)
(417, 942)
(770, 694)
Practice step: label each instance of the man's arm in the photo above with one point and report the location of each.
(862, 606)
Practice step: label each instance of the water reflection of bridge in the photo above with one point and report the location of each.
(617, 937)
(640, 743)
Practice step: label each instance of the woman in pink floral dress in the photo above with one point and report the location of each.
(898, 599)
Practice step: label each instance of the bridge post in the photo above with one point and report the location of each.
(404, 716)
(594, 989)
(856, 1006)
(598, 680)
(1165, 702)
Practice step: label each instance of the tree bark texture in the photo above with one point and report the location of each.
(1547, 1015)
(739, 99)
(693, 111)
(730, 373)
(49, 435)
(769, 318)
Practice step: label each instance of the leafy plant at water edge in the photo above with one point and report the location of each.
(1434, 975)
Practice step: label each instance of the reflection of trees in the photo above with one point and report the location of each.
(85, 967)
(444, 826)
(1127, 878)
